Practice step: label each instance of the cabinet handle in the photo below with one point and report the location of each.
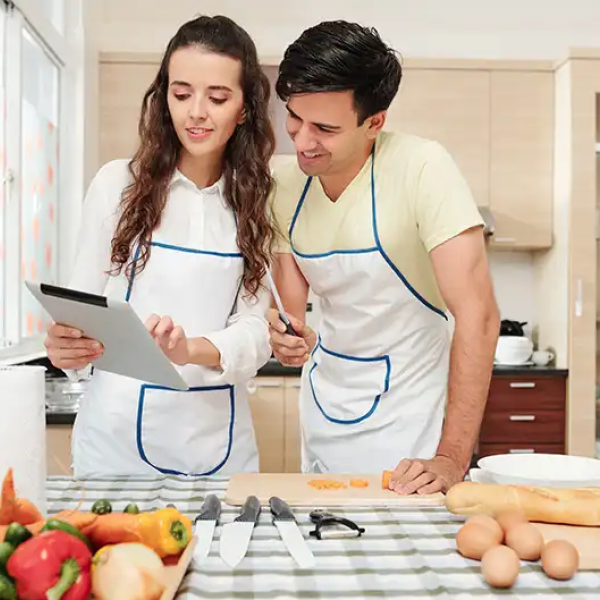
(295, 384)
(522, 384)
(521, 451)
(269, 384)
(522, 417)
(505, 240)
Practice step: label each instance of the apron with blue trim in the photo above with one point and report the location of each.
(375, 387)
(126, 427)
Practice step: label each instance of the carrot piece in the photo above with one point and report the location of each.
(14, 509)
(8, 499)
(327, 484)
(385, 479)
(359, 483)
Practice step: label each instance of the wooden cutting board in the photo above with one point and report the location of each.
(177, 571)
(585, 539)
(294, 489)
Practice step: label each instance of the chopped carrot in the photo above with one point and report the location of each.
(385, 479)
(359, 483)
(327, 484)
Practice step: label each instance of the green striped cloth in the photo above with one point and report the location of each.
(404, 553)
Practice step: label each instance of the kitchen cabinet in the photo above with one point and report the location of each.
(452, 107)
(274, 407)
(524, 414)
(123, 84)
(267, 405)
(521, 158)
(58, 449)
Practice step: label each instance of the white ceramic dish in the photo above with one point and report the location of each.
(547, 470)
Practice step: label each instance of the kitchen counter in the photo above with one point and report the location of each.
(274, 369)
(404, 553)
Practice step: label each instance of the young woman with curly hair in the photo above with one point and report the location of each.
(182, 232)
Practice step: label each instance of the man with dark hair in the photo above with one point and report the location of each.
(383, 228)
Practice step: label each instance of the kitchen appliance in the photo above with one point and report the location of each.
(294, 488)
(513, 346)
(235, 536)
(204, 526)
(284, 520)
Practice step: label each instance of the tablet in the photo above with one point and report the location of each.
(129, 349)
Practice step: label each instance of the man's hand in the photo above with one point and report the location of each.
(290, 350)
(416, 476)
(171, 339)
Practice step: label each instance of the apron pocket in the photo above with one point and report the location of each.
(185, 433)
(347, 389)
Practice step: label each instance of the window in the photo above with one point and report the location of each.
(37, 97)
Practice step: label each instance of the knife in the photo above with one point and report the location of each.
(236, 535)
(204, 526)
(288, 325)
(284, 520)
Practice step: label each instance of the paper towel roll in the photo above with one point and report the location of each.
(23, 431)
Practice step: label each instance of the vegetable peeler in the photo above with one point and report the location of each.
(328, 526)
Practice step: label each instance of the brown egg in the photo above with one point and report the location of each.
(525, 540)
(560, 559)
(500, 566)
(510, 518)
(488, 522)
(474, 539)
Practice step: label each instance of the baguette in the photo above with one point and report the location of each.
(568, 506)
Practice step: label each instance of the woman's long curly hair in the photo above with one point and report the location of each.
(247, 175)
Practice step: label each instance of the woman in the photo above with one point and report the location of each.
(182, 233)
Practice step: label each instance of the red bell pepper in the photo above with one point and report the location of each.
(53, 565)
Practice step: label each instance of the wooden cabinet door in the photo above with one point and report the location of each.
(267, 405)
(521, 158)
(122, 88)
(450, 106)
(292, 463)
(58, 449)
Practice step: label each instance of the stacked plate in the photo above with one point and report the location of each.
(546, 470)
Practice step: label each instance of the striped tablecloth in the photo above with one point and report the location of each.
(404, 553)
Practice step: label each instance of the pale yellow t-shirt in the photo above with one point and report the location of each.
(422, 200)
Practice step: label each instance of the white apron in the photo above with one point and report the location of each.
(127, 428)
(374, 389)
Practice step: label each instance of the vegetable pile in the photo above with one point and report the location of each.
(76, 555)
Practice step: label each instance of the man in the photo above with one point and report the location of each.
(384, 230)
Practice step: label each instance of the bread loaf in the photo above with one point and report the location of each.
(568, 506)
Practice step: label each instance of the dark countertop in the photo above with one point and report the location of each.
(274, 369)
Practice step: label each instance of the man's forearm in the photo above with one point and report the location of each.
(471, 365)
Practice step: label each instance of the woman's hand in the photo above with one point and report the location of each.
(171, 339)
(67, 348)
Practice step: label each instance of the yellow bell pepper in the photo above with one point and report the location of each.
(166, 531)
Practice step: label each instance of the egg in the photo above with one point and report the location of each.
(525, 540)
(500, 566)
(474, 539)
(560, 559)
(488, 522)
(509, 519)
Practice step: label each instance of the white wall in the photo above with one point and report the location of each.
(425, 28)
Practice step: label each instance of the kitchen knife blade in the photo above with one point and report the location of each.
(288, 325)
(236, 535)
(204, 526)
(284, 520)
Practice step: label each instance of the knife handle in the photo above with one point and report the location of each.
(250, 511)
(211, 509)
(281, 510)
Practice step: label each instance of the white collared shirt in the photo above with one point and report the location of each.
(192, 217)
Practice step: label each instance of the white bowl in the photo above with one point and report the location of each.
(513, 350)
(546, 470)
